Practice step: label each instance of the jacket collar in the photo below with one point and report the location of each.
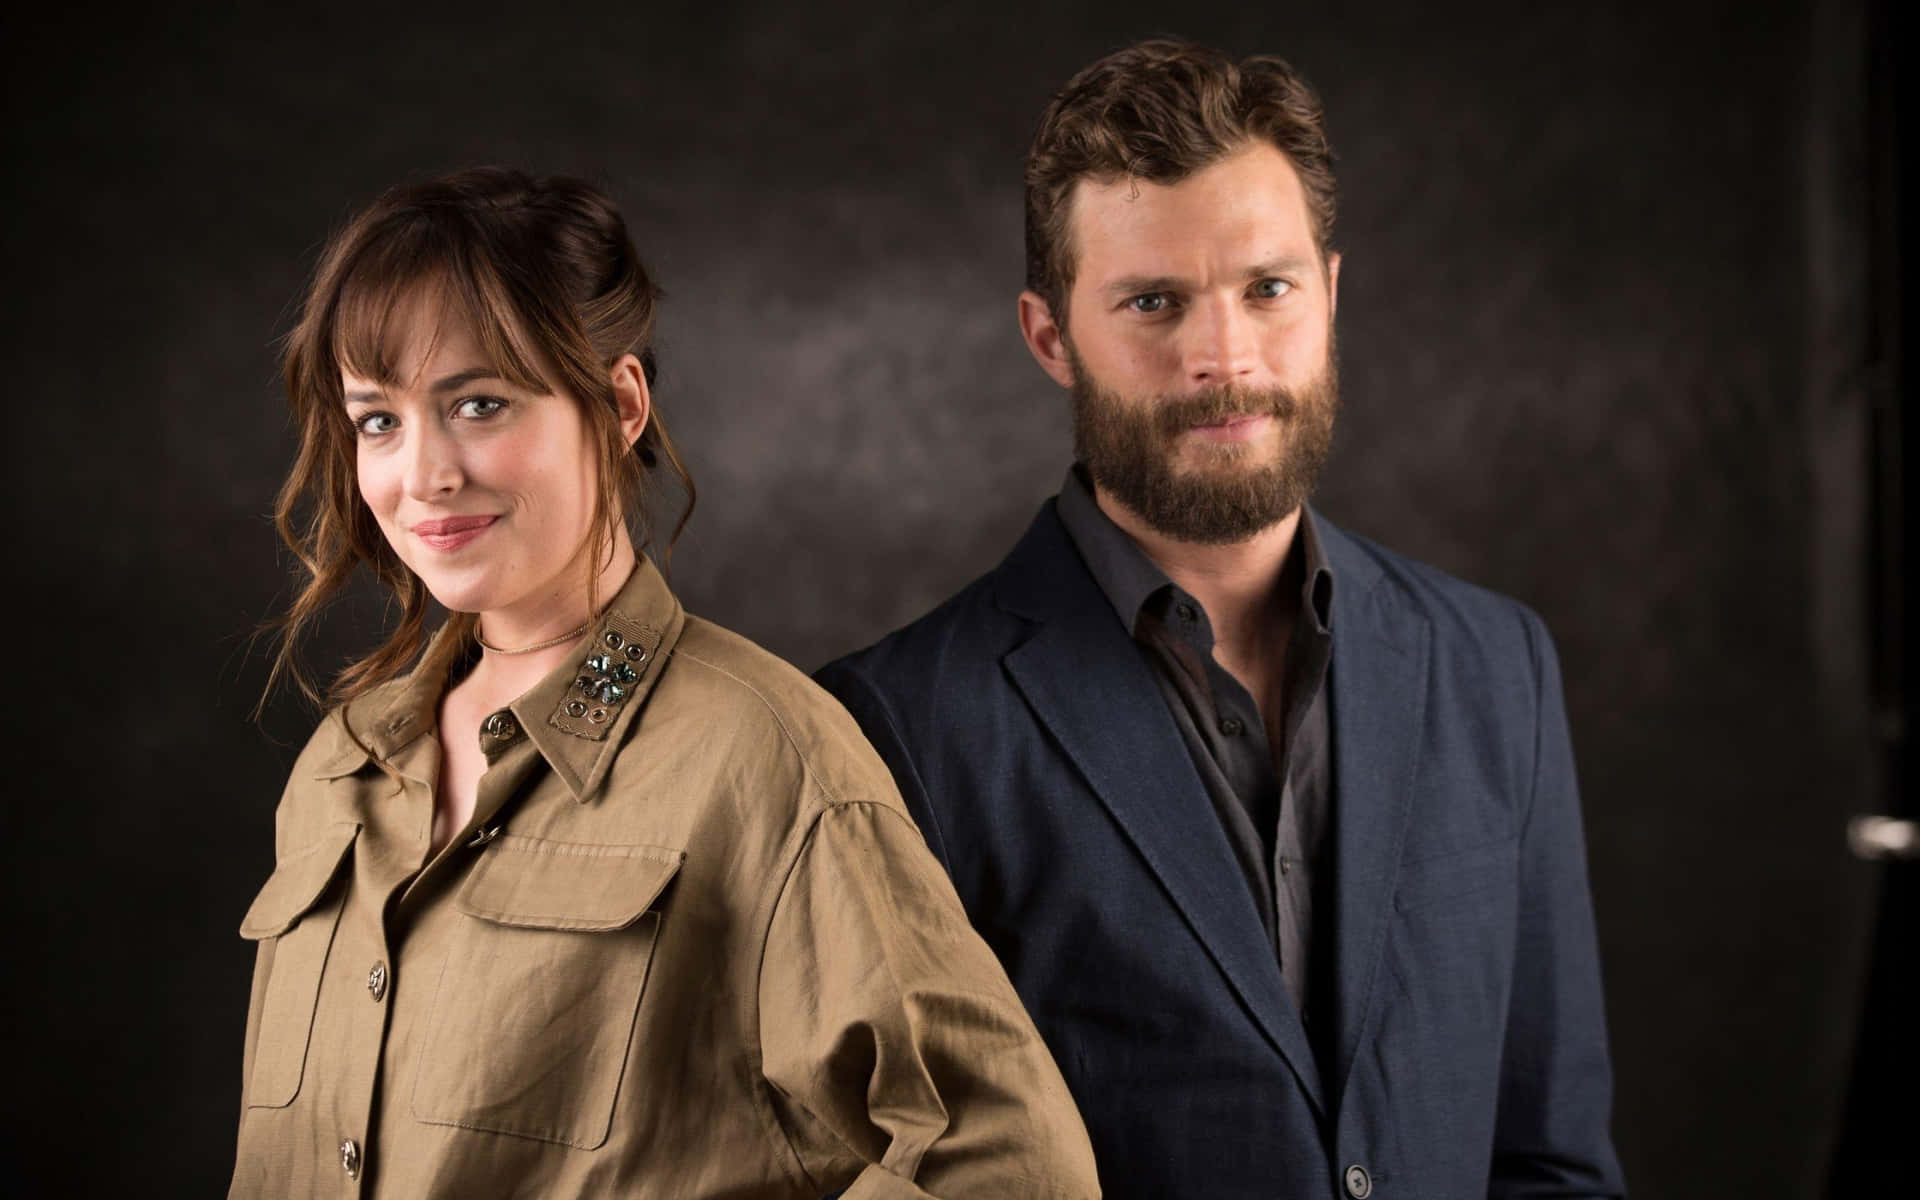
(1095, 694)
(577, 716)
(1133, 759)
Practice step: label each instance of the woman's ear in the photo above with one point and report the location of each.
(631, 399)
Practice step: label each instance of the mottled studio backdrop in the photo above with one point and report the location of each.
(1598, 311)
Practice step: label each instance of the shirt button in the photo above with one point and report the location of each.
(1286, 866)
(1359, 1183)
(350, 1157)
(1232, 727)
(501, 725)
(1186, 612)
(377, 981)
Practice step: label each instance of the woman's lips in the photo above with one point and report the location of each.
(451, 533)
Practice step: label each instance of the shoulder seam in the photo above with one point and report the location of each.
(812, 776)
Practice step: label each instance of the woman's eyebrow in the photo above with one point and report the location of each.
(446, 383)
(460, 379)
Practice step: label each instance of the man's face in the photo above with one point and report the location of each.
(1200, 349)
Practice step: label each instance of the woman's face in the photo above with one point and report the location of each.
(485, 490)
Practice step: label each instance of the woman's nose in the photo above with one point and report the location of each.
(433, 465)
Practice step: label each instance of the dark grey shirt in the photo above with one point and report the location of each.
(1273, 801)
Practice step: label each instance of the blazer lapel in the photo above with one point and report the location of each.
(1379, 688)
(1092, 691)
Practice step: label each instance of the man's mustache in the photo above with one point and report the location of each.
(1216, 405)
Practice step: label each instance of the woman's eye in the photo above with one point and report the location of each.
(480, 406)
(1148, 304)
(375, 424)
(1271, 289)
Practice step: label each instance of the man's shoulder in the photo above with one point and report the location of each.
(973, 628)
(1465, 623)
(964, 634)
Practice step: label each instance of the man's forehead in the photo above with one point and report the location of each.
(1249, 207)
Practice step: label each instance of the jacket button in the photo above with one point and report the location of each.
(377, 981)
(350, 1158)
(1232, 727)
(1359, 1183)
(501, 725)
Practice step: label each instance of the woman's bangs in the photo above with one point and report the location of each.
(399, 292)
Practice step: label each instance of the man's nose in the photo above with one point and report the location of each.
(1220, 343)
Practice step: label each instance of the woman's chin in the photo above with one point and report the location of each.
(462, 597)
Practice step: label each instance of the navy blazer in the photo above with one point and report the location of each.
(1466, 1054)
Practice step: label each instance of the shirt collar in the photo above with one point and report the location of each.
(1129, 578)
(577, 716)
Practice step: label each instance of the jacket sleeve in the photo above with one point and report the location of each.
(1556, 1094)
(901, 1053)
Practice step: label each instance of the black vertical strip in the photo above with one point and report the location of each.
(1873, 1152)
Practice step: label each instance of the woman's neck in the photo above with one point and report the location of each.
(542, 617)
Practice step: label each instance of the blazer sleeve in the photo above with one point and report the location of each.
(1556, 1095)
(898, 1045)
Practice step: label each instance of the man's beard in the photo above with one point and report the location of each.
(1129, 448)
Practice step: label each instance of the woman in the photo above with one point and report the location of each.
(582, 895)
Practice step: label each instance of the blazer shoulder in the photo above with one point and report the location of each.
(1470, 624)
(965, 633)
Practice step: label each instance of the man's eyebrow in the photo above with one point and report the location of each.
(446, 383)
(1285, 264)
(1135, 285)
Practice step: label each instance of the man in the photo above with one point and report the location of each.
(1275, 831)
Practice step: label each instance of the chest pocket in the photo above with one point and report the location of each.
(293, 919)
(530, 1026)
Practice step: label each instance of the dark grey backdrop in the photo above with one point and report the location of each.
(1601, 303)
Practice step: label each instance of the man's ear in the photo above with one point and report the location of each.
(1046, 338)
(631, 397)
(1333, 284)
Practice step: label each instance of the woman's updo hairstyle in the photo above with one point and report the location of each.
(544, 273)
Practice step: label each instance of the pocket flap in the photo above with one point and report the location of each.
(536, 884)
(297, 883)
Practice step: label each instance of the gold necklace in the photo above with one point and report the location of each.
(568, 636)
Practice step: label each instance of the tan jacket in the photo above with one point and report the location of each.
(691, 944)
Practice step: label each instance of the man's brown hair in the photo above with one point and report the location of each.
(548, 278)
(1160, 111)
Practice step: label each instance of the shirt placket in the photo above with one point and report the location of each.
(361, 975)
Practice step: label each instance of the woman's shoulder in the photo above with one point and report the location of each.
(341, 743)
(748, 696)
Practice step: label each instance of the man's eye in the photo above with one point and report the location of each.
(1271, 289)
(375, 424)
(1151, 302)
(480, 406)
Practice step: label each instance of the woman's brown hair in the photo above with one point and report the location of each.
(545, 273)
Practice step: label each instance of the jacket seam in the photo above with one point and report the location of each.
(811, 776)
(1528, 622)
(759, 973)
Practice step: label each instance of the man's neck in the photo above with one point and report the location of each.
(1238, 583)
